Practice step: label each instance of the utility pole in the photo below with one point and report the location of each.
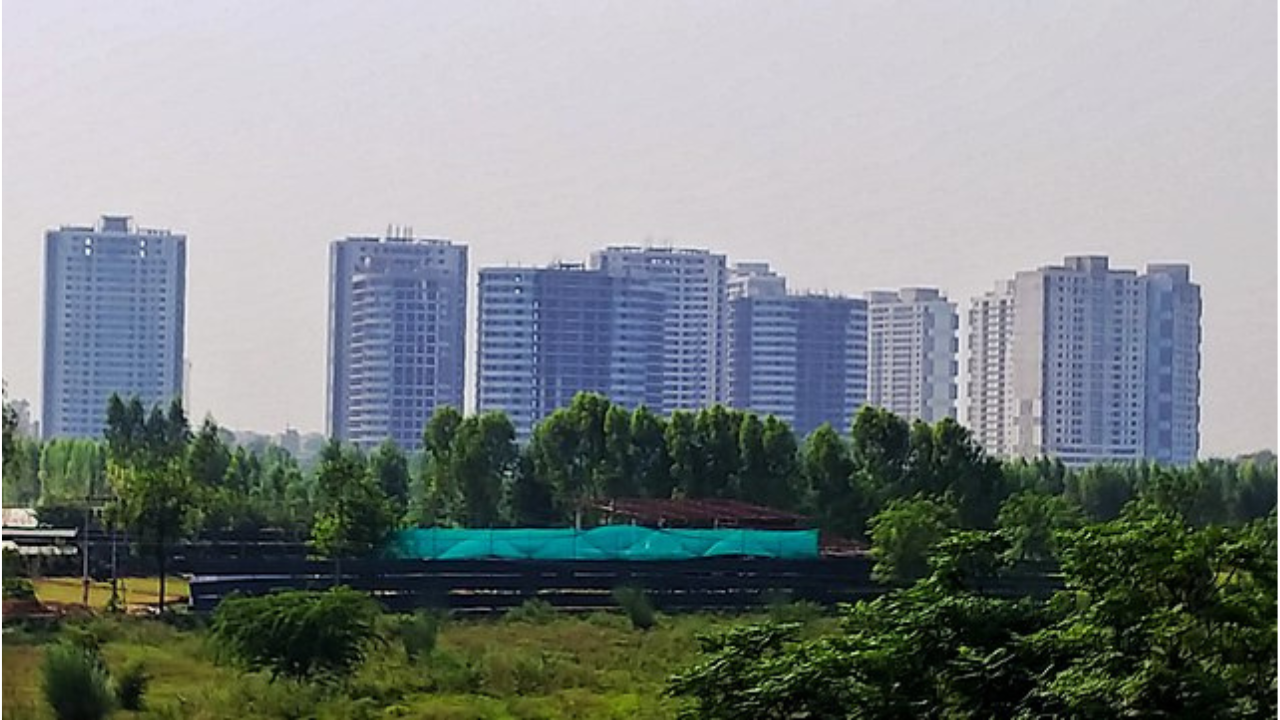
(84, 553)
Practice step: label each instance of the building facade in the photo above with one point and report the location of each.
(801, 358)
(397, 336)
(1100, 365)
(114, 321)
(989, 368)
(912, 346)
(693, 284)
(546, 334)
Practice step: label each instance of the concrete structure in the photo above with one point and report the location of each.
(694, 286)
(114, 321)
(397, 348)
(912, 345)
(546, 334)
(1096, 364)
(802, 358)
(755, 279)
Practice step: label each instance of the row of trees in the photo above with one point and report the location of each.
(885, 479)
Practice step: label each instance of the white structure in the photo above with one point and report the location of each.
(694, 286)
(911, 353)
(397, 320)
(755, 279)
(114, 321)
(1088, 364)
(989, 365)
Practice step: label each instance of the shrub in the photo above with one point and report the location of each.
(416, 632)
(299, 633)
(18, 588)
(131, 684)
(534, 611)
(635, 603)
(75, 683)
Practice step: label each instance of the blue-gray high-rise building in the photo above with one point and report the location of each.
(114, 321)
(397, 342)
(802, 358)
(546, 334)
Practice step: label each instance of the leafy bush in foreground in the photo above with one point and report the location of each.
(297, 634)
(131, 685)
(75, 683)
(635, 603)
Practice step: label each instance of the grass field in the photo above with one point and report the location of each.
(559, 666)
(133, 591)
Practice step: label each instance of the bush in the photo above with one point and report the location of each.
(416, 632)
(801, 612)
(17, 588)
(75, 683)
(131, 684)
(635, 603)
(534, 611)
(299, 633)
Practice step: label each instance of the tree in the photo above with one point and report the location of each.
(353, 516)
(618, 471)
(297, 634)
(717, 441)
(438, 490)
(1031, 521)
(783, 466)
(828, 474)
(391, 469)
(156, 501)
(905, 533)
(484, 459)
(651, 464)
(881, 451)
(208, 456)
(1101, 490)
(753, 479)
(682, 448)
(568, 451)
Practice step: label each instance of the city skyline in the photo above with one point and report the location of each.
(1009, 144)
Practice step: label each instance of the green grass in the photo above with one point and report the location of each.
(134, 591)
(593, 666)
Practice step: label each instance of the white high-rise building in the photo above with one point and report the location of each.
(1088, 364)
(114, 321)
(911, 353)
(397, 320)
(989, 364)
(693, 283)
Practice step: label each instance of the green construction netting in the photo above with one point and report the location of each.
(610, 542)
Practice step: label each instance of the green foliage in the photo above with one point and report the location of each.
(18, 588)
(534, 611)
(1032, 520)
(828, 472)
(131, 685)
(390, 469)
(75, 683)
(637, 606)
(416, 633)
(905, 533)
(297, 634)
(352, 513)
(1159, 619)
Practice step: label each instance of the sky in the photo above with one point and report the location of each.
(856, 145)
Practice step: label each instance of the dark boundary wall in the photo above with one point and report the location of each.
(494, 586)
(482, 587)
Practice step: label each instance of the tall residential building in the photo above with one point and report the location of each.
(911, 353)
(989, 366)
(547, 334)
(1097, 364)
(397, 321)
(114, 321)
(802, 358)
(693, 285)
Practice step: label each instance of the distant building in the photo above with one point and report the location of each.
(546, 334)
(755, 279)
(114, 321)
(397, 319)
(802, 358)
(912, 348)
(693, 284)
(1088, 364)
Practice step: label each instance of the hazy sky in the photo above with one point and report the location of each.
(855, 144)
